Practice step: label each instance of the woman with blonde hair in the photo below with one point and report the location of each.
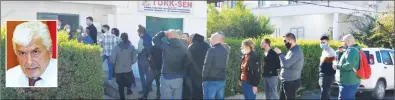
(249, 69)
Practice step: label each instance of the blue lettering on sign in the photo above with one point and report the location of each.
(167, 9)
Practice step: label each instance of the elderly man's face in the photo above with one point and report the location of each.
(33, 58)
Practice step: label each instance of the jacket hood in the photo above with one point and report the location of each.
(198, 38)
(123, 45)
(356, 46)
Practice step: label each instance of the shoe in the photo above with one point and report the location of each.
(129, 92)
(142, 98)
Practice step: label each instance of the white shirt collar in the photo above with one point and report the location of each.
(16, 78)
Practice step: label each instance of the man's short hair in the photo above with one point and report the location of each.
(267, 41)
(90, 18)
(24, 33)
(324, 38)
(290, 36)
(186, 34)
(106, 26)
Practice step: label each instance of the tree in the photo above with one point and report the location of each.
(237, 22)
(384, 30)
(362, 28)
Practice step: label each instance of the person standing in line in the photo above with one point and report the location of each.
(115, 31)
(67, 27)
(327, 72)
(291, 69)
(79, 32)
(198, 50)
(175, 58)
(214, 68)
(339, 53)
(270, 71)
(124, 55)
(85, 38)
(154, 71)
(348, 65)
(250, 70)
(59, 27)
(144, 52)
(187, 82)
(107, 41)
(187, 40)
(92, 29)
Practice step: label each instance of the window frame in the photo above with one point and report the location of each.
(378, 57)
(389, 55)
(297, 34)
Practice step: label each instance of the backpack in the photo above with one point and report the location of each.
(364, 72)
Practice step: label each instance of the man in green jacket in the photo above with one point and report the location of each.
(348, 65)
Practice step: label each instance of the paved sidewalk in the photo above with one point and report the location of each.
(111, 90)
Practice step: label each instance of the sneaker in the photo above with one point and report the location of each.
(142, 98)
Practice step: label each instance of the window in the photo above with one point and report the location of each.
(261, 3)
(292, 1)
(367, 56)
(298, 32)
(387, 60)
(378, 57)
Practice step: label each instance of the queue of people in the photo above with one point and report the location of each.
(184, 66)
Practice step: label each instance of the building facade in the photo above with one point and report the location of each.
(188, 16)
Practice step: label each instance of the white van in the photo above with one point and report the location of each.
(382, 64)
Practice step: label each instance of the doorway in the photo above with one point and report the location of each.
(71, 19)
(157, 24)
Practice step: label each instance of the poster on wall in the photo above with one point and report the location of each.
(174, 6)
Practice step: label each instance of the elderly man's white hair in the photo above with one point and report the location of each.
(24, 33)
(217, 35)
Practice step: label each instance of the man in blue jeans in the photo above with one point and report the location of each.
(214, 68)
(175, 58)
(107, 41)
(144, 51)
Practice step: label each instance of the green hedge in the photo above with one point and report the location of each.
(311, 50)
(79, 74)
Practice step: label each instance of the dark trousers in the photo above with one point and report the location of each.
(151, 76)
(143, 68)
(325, 82)
(197, 89)
(289, 89)
(123, 81)
(187, 88)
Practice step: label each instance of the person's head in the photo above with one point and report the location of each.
(105, 28)
(67, 28)
(185, 36)
(216, 38)
(172, 33)
(79, 29)
(89, 20)
(191, 36)
(86, 32)
(348, 41)
(340, 48)
(289, 40)
(141, 30)
(265, 44)
(247, 46)
(59, 24)
(124, 37)
(115, 31)
(324, 42)
(32, 45)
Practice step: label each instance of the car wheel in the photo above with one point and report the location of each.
(379, 90)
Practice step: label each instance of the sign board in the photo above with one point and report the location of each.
(173, 6)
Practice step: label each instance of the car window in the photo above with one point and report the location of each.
(387, 60)
(367, 56)
(378, 57)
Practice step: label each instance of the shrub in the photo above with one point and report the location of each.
(79, 73)
(310, 72)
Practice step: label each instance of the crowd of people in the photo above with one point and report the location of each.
(185, 66)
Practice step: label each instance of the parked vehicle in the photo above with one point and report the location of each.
(382, 64)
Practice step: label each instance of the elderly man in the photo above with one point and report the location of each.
(214, 68)
(175, 58)
(33, 48)
(347, 65)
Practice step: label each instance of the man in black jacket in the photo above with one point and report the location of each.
(214, 68)
(154, 71)
(270, 75)
(175, 58)
(198, 50)
(92, 29)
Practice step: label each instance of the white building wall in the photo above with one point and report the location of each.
(27, 10)
(128, 17)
